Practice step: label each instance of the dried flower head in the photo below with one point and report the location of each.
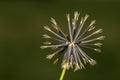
(70, 45)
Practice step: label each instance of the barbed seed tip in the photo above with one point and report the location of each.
(98, 50)
(98, 44)
(92, 62)
(98, 31)
(101, 38)
(47, 43)
(46, 36)
(50, 56)
(43, 47)
(47, 28)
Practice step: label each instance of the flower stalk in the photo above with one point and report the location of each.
(62, 74)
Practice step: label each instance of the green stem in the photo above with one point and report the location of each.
(63, 73)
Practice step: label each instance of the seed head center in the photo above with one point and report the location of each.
(72, 43)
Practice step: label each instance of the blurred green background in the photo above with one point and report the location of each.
(21, 29)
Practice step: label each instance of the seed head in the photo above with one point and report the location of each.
(70, 45)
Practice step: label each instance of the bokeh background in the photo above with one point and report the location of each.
(21, 29)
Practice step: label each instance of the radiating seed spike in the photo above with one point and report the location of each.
(81, 65)
(96, 32)
(69, 26)
(57, 35)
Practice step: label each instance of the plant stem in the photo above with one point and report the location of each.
(63, 73)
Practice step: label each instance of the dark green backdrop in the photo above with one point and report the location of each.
(21, 28)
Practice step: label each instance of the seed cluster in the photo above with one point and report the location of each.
(71, 44)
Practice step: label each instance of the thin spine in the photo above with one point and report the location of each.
(57, 27)
(83, 53)
(80, 26)
(95, 44)
(90, 60)
(80, 62)
(89, 28)
(74, 22)
(47, 36)
(51, 55)
(47, 28)
(91, 40)
(94, 49)
(59, 45)
(69, 27)
(76, 59)
(96, 32)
